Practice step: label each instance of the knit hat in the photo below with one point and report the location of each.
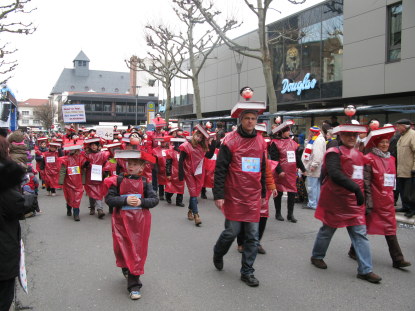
(315, 129)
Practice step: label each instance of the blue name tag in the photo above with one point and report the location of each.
(251, 165)
(128, 207)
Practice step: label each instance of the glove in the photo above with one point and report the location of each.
(360, 199)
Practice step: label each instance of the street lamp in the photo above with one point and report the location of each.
(136, 103)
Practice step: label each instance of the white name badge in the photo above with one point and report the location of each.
(389, 180)
(251, 165)
(50, 159)
(357, 172)
(199, 168)
(74, 170)
(96, 172)
(214, 157)
(163, 153)
(178, 157)
(290, 156)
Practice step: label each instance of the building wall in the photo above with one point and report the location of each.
(365, 68)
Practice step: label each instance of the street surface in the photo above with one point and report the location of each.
(71, 265)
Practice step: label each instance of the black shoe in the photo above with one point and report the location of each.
(68, 212)
(76, 218)
(168, 201)
(261, 250)
(279, 217)
(203, 196)
(410, 214)
(292, 219)
(125, 272)
(352, 255)
(161, 198)
(218, 262)
(180, 204)
(250, 280)
(402, 210)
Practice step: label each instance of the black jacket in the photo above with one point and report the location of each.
(11, 210)
(222, 166)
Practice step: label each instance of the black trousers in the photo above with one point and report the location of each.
(133, 282)
(6, 294)
(262, 224)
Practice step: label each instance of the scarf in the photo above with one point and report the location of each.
(380, 153)
(309, 148)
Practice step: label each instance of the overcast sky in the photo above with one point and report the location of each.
(107, 31)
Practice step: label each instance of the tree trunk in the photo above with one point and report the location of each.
(168, 104)
(196, 99)
(272, 97)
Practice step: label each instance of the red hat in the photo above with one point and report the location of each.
(163, 139)
(72, 147)
(159, 122)
(261, 127)
(255, 107)
(92, 140)
(57, 145)
(282, 126)
(134, 154)
(202, 130)
(376, 136)
(351, 128)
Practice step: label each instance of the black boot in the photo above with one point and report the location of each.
(203, 194)
(68, 210)
(168, 197)
(161, 192)
(290, 207)
(111, 209)
(277, 204)
(179, 200)
(76, 214)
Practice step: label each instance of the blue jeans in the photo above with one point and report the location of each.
(232, 229)
(193, 205)
(359, 241)
(313, 190)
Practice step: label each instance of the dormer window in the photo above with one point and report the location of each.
(81, 63)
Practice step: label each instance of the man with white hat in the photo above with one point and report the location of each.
(342, 203)
(240, 187)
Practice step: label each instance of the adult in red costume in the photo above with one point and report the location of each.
(174, 185)
(191, 170)
(95, 162)
(341, 201)
(51, 173)
(379, 178)
(284, 150)
(239, 187)
(132, 196)
(71, 179)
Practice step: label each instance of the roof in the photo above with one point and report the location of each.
(81, 56)
(33, 102)
(97, 81)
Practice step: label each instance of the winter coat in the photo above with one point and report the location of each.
(131, 225)
(379, 177)
(316, 157)
(11, 210)
(18, 153)
(406, 154)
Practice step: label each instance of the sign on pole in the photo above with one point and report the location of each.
(73, 113)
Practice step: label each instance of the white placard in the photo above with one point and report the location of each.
(199, 168)
(357, 172)
(163, 153)
(73, 113)
(290, 156)
(105, 132)
(22, 272)
(178, 157)
(389, 180)
(50, 160)
(96, 172)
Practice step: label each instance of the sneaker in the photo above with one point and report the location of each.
(53, 194)
(319, 263)
(279, 217)
(370, 277)
(180, 204)
(134, 295)
(261, 250)
(401, 264)
(250, 280)
(218, 262)
(76, 218)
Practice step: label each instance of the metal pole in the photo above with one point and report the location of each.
(136, 102)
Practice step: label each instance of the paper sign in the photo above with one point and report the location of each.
(163, 153)
(199, 168)
(178, 157)
(50, 159)
(252, 165)
(128, 207)
(291, 156)
(357, 172)
(73, 113)
(96, 172)
(214, 157)
(74, 170)
(389, 180)
(22, 271)
(105, 132)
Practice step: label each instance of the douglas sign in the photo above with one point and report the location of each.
(299, 86)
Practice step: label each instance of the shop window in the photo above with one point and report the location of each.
(332, 52)
(394, 32)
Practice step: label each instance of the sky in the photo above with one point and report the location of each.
(109, 32)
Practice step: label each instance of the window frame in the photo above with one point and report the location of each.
(390, 48)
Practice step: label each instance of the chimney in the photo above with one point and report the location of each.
(133, 75)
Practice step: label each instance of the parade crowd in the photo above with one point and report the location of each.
(351, 174)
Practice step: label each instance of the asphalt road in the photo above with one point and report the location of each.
(71, 266)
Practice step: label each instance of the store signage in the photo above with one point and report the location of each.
(299, 86)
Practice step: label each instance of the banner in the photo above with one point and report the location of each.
(73, 113)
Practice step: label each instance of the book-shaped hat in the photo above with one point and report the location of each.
(173, 129)
(42, 139)
(72, 147)
(113, 145)
(92, 140)
(351, 128)
(261, 127)
(202, 130)
(178, 140)
(163, 139)
(282, 126)
(134, 154)
(376, 136)
(126, 140)
(259, 107)
(159, 122)
(55, 144)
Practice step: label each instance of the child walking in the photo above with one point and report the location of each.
(132, 196)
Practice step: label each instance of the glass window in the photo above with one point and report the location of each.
(107, 106)
(332, 51)
(25, 121)
(25, 113)
(394, 32)
(36, 122)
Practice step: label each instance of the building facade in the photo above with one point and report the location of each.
(27, 113)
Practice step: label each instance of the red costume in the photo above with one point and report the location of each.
(161, 154)
(72, 185)
(287, 148)
(174, 185)
(51, 172)
(95, 188)
(193, 168)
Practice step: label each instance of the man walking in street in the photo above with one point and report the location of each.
(239, 187)
(313, 159)
(406, 163)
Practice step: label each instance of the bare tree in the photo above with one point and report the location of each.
(159, 63)
(8, 9)
(261, 53)
(46, 114)
(198, 48)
